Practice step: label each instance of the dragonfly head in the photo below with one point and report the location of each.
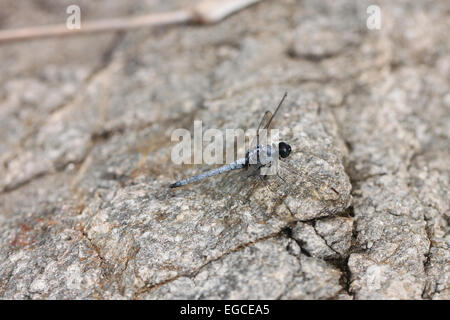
(284, 149)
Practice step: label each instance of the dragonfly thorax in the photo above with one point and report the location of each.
(261, 155)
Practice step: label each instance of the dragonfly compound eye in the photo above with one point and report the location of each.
(284, 149)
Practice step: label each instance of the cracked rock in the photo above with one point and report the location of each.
(312, 242)
(256, 272)
(337, 233)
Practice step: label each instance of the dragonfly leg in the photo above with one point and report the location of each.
(281, 177)
(267, 185)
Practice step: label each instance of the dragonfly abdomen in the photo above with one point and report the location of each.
(238, 164)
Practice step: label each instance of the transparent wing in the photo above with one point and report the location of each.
(263, 125)
(266, 125)
(249, 196)
(267, 120)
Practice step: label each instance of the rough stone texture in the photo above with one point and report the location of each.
(85, 209)
(264, 270)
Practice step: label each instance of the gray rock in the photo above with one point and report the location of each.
(258, 271)
(311, 241)
(337, 232)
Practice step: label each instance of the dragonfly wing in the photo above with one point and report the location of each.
(266, 125)
(267, 120)
(306, 182)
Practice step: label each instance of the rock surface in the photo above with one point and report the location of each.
(85, 149)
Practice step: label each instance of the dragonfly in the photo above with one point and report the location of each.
(263, 155)
(289, 178)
